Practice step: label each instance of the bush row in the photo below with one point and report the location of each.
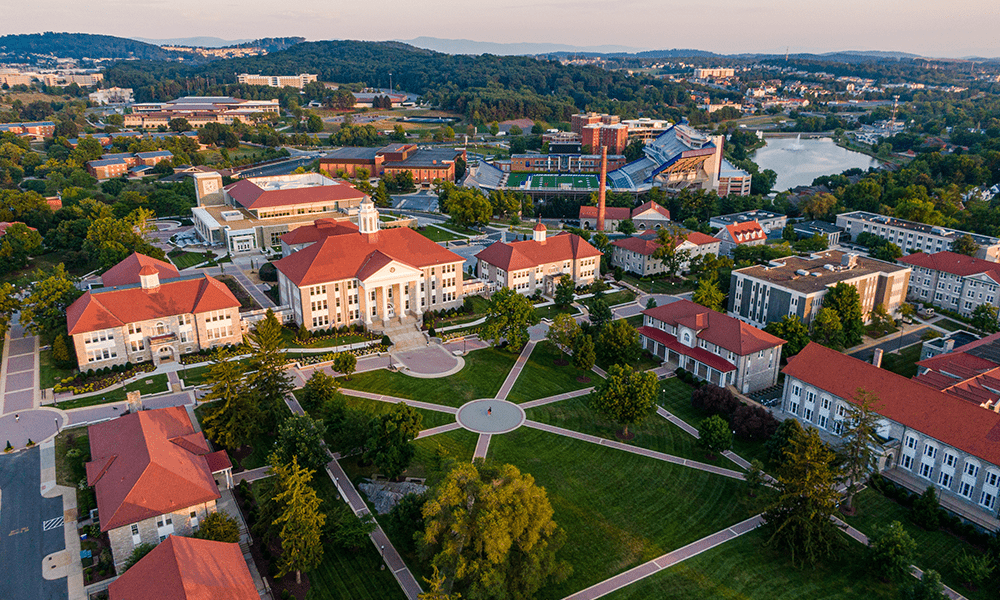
(101, 378)
(451, 335)
(749, 422)
(305, 337)
(329, 356)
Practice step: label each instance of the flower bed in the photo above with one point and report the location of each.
(314, 338)
(451, 335)
(206, 354)
(82, 383)
(329, 356)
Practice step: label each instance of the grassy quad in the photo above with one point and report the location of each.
(484, 373)
(49, 374)
(618, 509)
(154, 384)
(550, 311)
(747, 569)
(935, 549)
(431, 418)
(541, 378)
(184, 260)
(675, 396)
(655, 433)
(436, 234)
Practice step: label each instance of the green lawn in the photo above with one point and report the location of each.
(618, 509)
(436, 234)
(952, 325)
(655, 433)
(746, 569)
(660, 286)
(183, 260)
(550, 311)
(461, 228)
(634, 321)
(431, 418)
(346, 574)
(147, 385)
(935, 549)
(484, 373)
(49, 374)
(541, 378)
(619, 297)
(904, 362)
(644, 361)
(195, 375)
(479, 307)
(675, 396)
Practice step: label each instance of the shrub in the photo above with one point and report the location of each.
(925, 511)
(268, 272)
(386, 341)
(714, 400)
(753, 423)
(304, 334)
(431, 332)
(973, 570)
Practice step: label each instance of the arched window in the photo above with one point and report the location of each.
(160, 328)
(687, 337)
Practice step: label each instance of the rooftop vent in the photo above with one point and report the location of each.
(802, 272)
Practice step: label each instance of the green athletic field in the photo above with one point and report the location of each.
(543, 181)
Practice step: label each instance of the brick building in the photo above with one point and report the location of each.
(426, 165)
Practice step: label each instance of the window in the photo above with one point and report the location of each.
(930, 451)
(926, 470)
(991, 478)
(950, 460)
(135, 529)
(944, 480)
(907, 461)
(826, 404)
(822, 421)
(808, 414)
(971, 469)
(988, 500)
(796, 390)
(911, 442)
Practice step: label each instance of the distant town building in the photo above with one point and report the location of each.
(911, 236)
(712, 346)
(154, 476)
(114, 165)
(953, 281)
(148, 312)
(795, 285)
(635, 254)
(645, 128)
(198, 111)
(296, 81)
(716, 73)
(60, 78)
(36, 130)
(372, 276)
(253, 213)
(113, 95)
(367, 98)
(539, 263)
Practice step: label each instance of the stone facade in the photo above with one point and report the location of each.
(156, 529)
(541, 277)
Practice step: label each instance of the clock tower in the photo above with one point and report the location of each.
(207, 185)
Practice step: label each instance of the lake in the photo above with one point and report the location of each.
(799, 161)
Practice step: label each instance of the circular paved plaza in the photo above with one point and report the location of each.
(490, 415)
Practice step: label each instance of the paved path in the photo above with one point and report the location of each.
(667, 560)
(482, 446)
(252, 475)
(395, 400)
(22, 417)
(516, 370)
(599, 371)
(677, 421)
(635, 450)
(557, 398)
(244, 281)
(392, 559)
(889, 343)
(438, 429)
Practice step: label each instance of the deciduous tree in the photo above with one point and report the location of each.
(584, 354)
(845, 300)
(345, 363)
(220, 527)
(618, 342)
(669, 238)
(714, 434)
(600, 312)
(389, 438)
(564, 330)
(965, 244)
(43, 312)
(490, 530)
(891, 551)
(708, 293)
(10, 304)
(626, 396)
(928, 587)
(827, 330)
(508, 317)
(565, 290)
(791, 329)
(301, 437)
(984, 318)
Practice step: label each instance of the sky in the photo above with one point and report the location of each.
(927, 27)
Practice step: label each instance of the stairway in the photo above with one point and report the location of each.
(404, 333)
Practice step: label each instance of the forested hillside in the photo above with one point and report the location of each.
(80, 45)
(485, 88)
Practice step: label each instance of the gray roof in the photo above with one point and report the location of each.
(427, 158)
(787, 272)
(353, 154)
(750, 215)
(817, 227)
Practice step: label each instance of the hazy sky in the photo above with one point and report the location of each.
(927, 27)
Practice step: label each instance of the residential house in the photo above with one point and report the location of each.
(749, 233)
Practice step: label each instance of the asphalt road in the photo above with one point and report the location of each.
(24, 540)
(891, 344)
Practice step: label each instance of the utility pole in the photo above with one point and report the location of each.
(390, 83)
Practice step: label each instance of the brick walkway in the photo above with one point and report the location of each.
(252, 475)
(635, 450)
(516, 370)
(438, 429)
(667, 560)
(558, 398)
(482, 446)
(395, 400)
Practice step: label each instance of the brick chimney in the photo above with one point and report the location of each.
(603, 188)
(877, 359)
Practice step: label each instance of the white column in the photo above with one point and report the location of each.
(384, 309)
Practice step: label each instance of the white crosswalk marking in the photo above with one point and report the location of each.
(52, 524)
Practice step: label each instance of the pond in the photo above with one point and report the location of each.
(799, 161)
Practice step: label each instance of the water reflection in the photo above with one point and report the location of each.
(798, 161)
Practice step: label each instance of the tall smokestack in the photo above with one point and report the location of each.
(603, 190)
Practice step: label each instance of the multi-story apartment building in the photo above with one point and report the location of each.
(254, 213)
(137, 317)
(599, 135)
(932, 438)
(796, 285)
(733, 180)
(719, 72)
(110, 166)
(539, 263)
(953, 281)
(36, 130)
(370, 276)
(911, 236)
(297, 81)
(713, 346)
(154, 476)
(635, 254)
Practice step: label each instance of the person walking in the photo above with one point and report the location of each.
(17, 418)
(489, 411)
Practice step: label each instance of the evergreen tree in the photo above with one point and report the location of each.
(389, 438)
(269, 382)
(600, 312)
(565, 290)
(60, 352)
(859, 441)
(220, 527)
(300, 520)
(237, 420)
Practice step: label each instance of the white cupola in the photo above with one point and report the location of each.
(367, 217)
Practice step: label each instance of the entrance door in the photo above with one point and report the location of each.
(166, 355)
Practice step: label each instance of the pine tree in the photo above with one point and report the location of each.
(60, 351)
(300, 520)
(269, 381)
(237, 420)
(860, 438)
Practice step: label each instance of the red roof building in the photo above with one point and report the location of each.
(369, 276)
(953, 281)
(300, 237)
(713, 346)
(635, 254)
(539, 263)
(187, 569)
(934, 437)
(142, 319)
(127, 271)
(151, 475)
(647, 216)
(748, 233)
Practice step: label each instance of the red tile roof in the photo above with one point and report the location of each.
(748, 231)
(351, 256)
(700, 354)
(647, 244)
(944, 417)
(127, 271)
(182, 568)
(4, 225)
(251, 196)
(104, 308)
(147, 464)
(320, 229)
(611, 213)
(954, 263)
(540, 227)
(650, 206)
(714, 327)
(529, 253)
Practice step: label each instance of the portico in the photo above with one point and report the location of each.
(392, 292)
